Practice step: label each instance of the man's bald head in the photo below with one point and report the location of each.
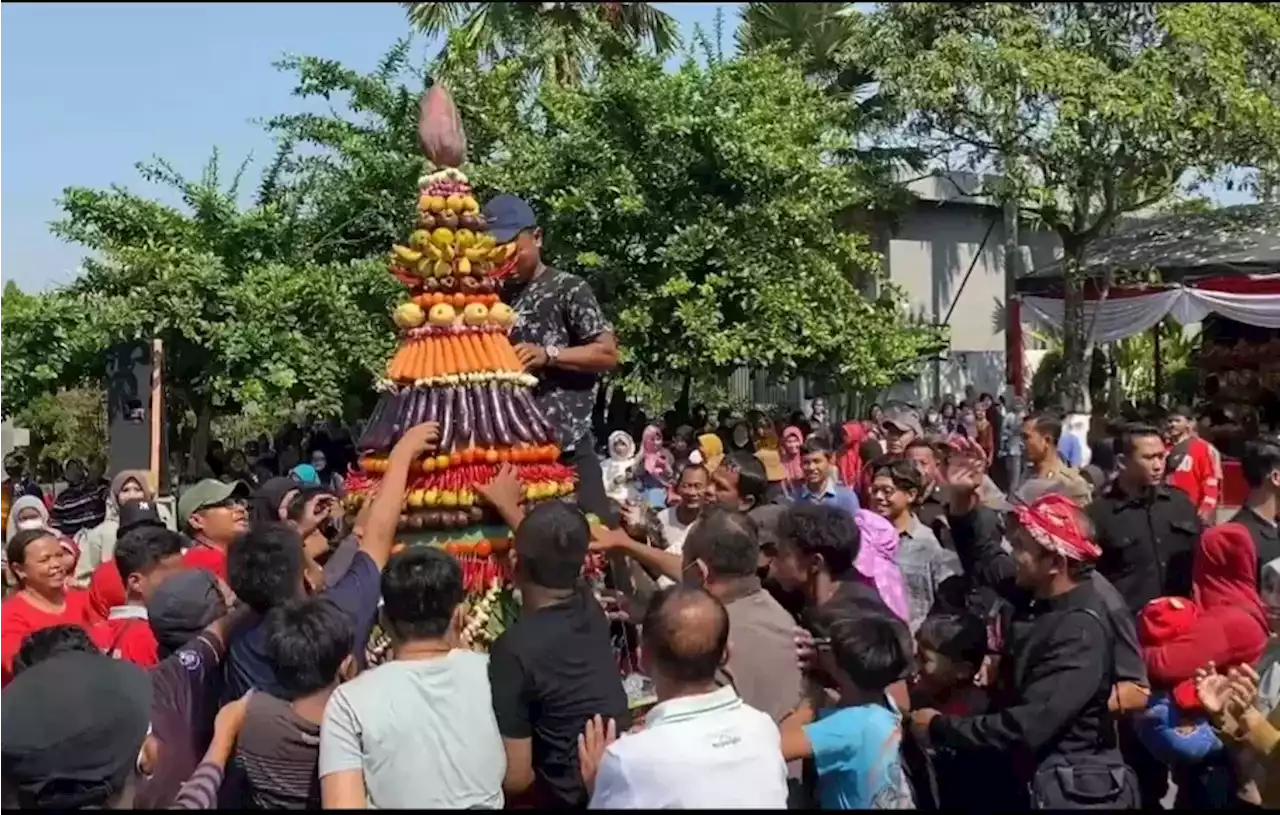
(685, 633)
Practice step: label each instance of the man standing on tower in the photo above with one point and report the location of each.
(563, 337)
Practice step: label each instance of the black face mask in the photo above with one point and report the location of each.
(14, 472)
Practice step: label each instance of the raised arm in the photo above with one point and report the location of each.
(384, 515)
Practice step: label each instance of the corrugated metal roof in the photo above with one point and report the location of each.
(1243, 239)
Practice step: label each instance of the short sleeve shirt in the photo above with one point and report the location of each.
(356, 593)
(211, 558)
(185, 690)
(557, 308)
(857, 753)
(551, 672)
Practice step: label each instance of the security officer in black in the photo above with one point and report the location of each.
(1147, 530)
(1148, 533)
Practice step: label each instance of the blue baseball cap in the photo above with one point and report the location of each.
(508, 216)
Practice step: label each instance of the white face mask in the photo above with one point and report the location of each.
(29, 524)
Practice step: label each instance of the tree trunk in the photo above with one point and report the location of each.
(196, 464)
(682, 402)
(1074, 388)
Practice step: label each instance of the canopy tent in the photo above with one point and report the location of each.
(1128, 312)
(1226, 261)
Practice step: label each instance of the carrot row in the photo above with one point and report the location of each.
(442, 355)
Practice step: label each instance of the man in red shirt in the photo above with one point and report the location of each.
(214, 514)
(1193, 464)
(144, 557)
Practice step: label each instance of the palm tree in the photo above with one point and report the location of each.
(561, 38)
(824, 38)
(819, 35)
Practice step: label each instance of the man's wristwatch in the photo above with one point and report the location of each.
(553, 353)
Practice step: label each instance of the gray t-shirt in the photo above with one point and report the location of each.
(924, 564)
(422, 731)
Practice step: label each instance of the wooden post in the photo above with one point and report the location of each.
(157, 414)
(1159, 366)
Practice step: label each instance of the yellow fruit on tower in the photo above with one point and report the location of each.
(406, 254)
(442, 314)
(454, 203)
(442, 269)
(435, 203)
(464, 266)
(499, 252)
(420, 239)
(409, 315)
(476, 254)
(475, 314)
(465, 238)
(501, 314)
(442, 237)
(470, 204)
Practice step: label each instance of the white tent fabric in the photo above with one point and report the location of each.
(1122, 317)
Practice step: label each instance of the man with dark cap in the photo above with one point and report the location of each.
(106, 587)
(189, 618)
(563, 337)
(76, 733)
(901, 426)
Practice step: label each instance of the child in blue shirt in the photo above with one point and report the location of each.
(856, 743)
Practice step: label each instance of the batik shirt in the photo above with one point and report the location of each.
(557, 308)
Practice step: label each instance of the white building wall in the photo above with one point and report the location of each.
(928, 256)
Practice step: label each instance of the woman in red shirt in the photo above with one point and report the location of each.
(40, 565)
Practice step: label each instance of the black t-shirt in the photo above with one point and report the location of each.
(1266, 537)
(551, 672)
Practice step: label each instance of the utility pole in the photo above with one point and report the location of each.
(1012, 271)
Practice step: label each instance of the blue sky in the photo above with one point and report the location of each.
(89, 89)
(93, 88)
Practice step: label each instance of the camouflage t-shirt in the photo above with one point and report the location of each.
(557, 308)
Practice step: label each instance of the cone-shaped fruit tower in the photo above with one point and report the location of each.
(455, 366)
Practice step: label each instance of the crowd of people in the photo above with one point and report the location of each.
(974, 607)
(837, 615)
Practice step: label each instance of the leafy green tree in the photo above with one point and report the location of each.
(1089, 110)
(558, 41)
(68, 423)
(703, 208)
(702, 205)
(249, 321)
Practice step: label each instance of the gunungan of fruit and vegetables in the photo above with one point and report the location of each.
(455, 366)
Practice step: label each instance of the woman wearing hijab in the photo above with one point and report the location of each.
(270, 502)
(98, 545)
(305, 475)
(328, 479)
(768, 454)
(655, 468)
(740, 438)
(618, 468)
(710, 452)
(849, 461)
(83, 504)
(792, 441)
